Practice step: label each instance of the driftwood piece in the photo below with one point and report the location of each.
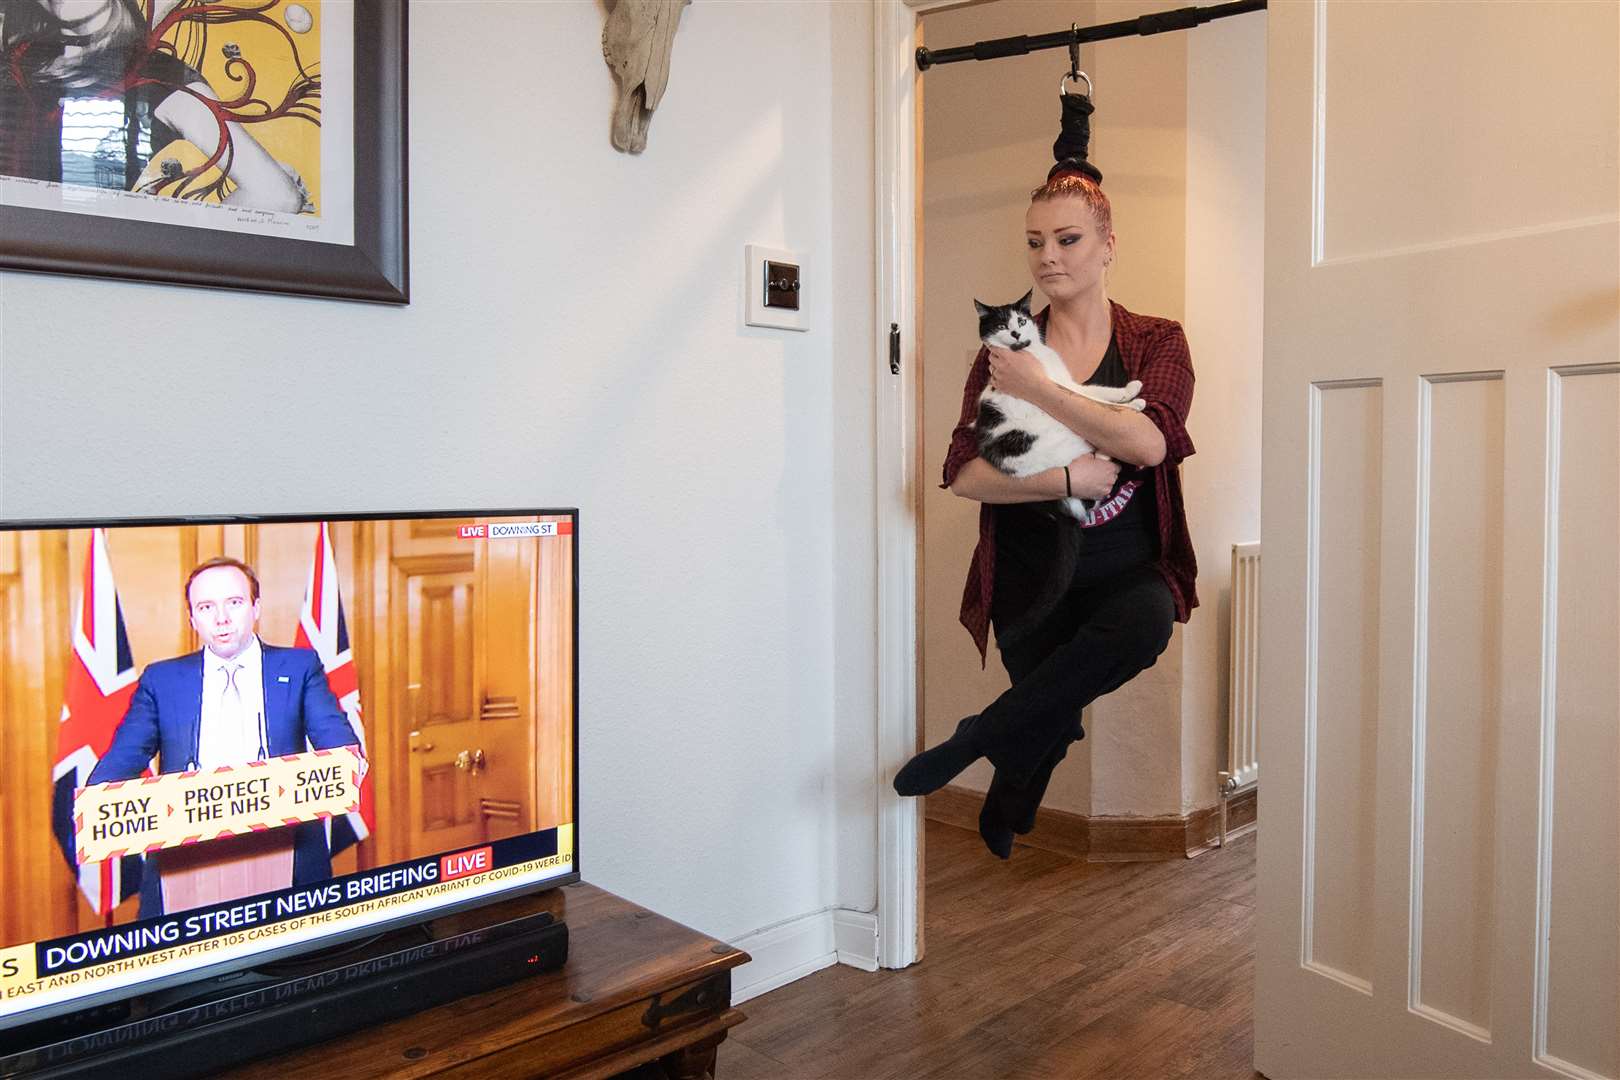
(636, 43)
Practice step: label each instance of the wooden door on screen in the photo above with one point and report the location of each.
(41, 899)
(1440, 724)
(463, 681)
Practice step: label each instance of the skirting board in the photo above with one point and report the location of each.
(803, 946)
(856, 935)
(1107, 839)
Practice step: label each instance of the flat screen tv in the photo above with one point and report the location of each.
(232, 740)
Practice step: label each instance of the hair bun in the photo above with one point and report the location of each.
(1075, 167)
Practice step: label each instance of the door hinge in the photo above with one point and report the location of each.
(894, 348)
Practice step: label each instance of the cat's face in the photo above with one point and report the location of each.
(1008, 326)
(1067, 252)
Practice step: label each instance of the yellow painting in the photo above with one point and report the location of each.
(205, 100)
(238, 144)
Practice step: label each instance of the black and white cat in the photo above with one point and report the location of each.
(1018, 438)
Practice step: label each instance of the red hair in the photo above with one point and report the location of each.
(1077, 185)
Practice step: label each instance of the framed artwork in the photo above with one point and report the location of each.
(236, 144)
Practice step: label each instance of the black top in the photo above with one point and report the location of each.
(1128, 510)
(1041, 550)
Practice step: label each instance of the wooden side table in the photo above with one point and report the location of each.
(637, 988)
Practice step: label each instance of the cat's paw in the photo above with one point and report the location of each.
(1136, 403)
(1132, 388)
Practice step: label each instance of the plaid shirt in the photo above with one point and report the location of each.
(1154, 351)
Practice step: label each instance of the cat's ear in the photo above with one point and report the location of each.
(982, 309)
(1023, 303)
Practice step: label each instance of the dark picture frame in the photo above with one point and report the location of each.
(375, 268)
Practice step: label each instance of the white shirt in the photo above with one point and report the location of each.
(232, 733)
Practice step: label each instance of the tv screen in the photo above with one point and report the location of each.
(229, 740)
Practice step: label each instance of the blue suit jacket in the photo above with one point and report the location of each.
(164, 720)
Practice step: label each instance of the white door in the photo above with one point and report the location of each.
(1440, 868)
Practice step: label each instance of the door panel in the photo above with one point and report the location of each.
(1439, 115)
(1345, 769)
(467, 630)
(1441, 421)
(441, 696)
(504, 740)
(1459, 640)
(1583, 911)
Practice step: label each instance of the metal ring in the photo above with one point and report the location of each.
(1076, 75)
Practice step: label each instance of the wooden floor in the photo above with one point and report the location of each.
(1042, 966)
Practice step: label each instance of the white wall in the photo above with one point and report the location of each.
(854, 550)
(575, 338)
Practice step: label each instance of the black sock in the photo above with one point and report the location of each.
(1017, 806)
(995, 833)
(938, 765)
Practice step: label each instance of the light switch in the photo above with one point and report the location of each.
(774, 281)
(781, 285)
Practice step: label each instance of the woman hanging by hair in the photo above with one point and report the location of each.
(1079, 609)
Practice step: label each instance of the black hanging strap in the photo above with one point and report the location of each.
(1074, 138)
(1075, 135)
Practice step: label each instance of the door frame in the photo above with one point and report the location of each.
(896, 152)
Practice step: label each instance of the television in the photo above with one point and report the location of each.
(230, 741)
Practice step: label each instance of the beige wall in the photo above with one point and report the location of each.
(1152, 746)
(1226, 148)
(1139, 141)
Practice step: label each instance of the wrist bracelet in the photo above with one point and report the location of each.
(1067, 489)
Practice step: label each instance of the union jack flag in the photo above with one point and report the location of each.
(321, 627)
(101, 680)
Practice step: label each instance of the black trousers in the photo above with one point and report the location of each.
(1112, 623)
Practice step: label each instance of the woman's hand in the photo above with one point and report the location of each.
(1092, 477)
(1017, 373)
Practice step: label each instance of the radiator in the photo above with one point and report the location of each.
(1243, 705)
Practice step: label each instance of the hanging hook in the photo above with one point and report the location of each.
(1074, 74)
(1077, 76)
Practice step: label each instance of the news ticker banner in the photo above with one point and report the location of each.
(138, 817)
(48, 972)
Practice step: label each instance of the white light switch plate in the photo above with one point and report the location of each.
(755, 257)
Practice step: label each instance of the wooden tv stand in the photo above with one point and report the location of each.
(637, 988)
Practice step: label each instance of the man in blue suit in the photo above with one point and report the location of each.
(235, 700)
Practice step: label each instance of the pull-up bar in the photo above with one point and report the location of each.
(1142, 25)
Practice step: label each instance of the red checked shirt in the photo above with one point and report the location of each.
(1154, 351)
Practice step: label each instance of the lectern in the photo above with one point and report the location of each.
(229, 868)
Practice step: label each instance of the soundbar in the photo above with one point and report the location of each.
(285, 1008)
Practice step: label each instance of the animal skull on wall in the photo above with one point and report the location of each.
(636, 43)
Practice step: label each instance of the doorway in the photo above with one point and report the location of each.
(1484, 374)
(1179, 136)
